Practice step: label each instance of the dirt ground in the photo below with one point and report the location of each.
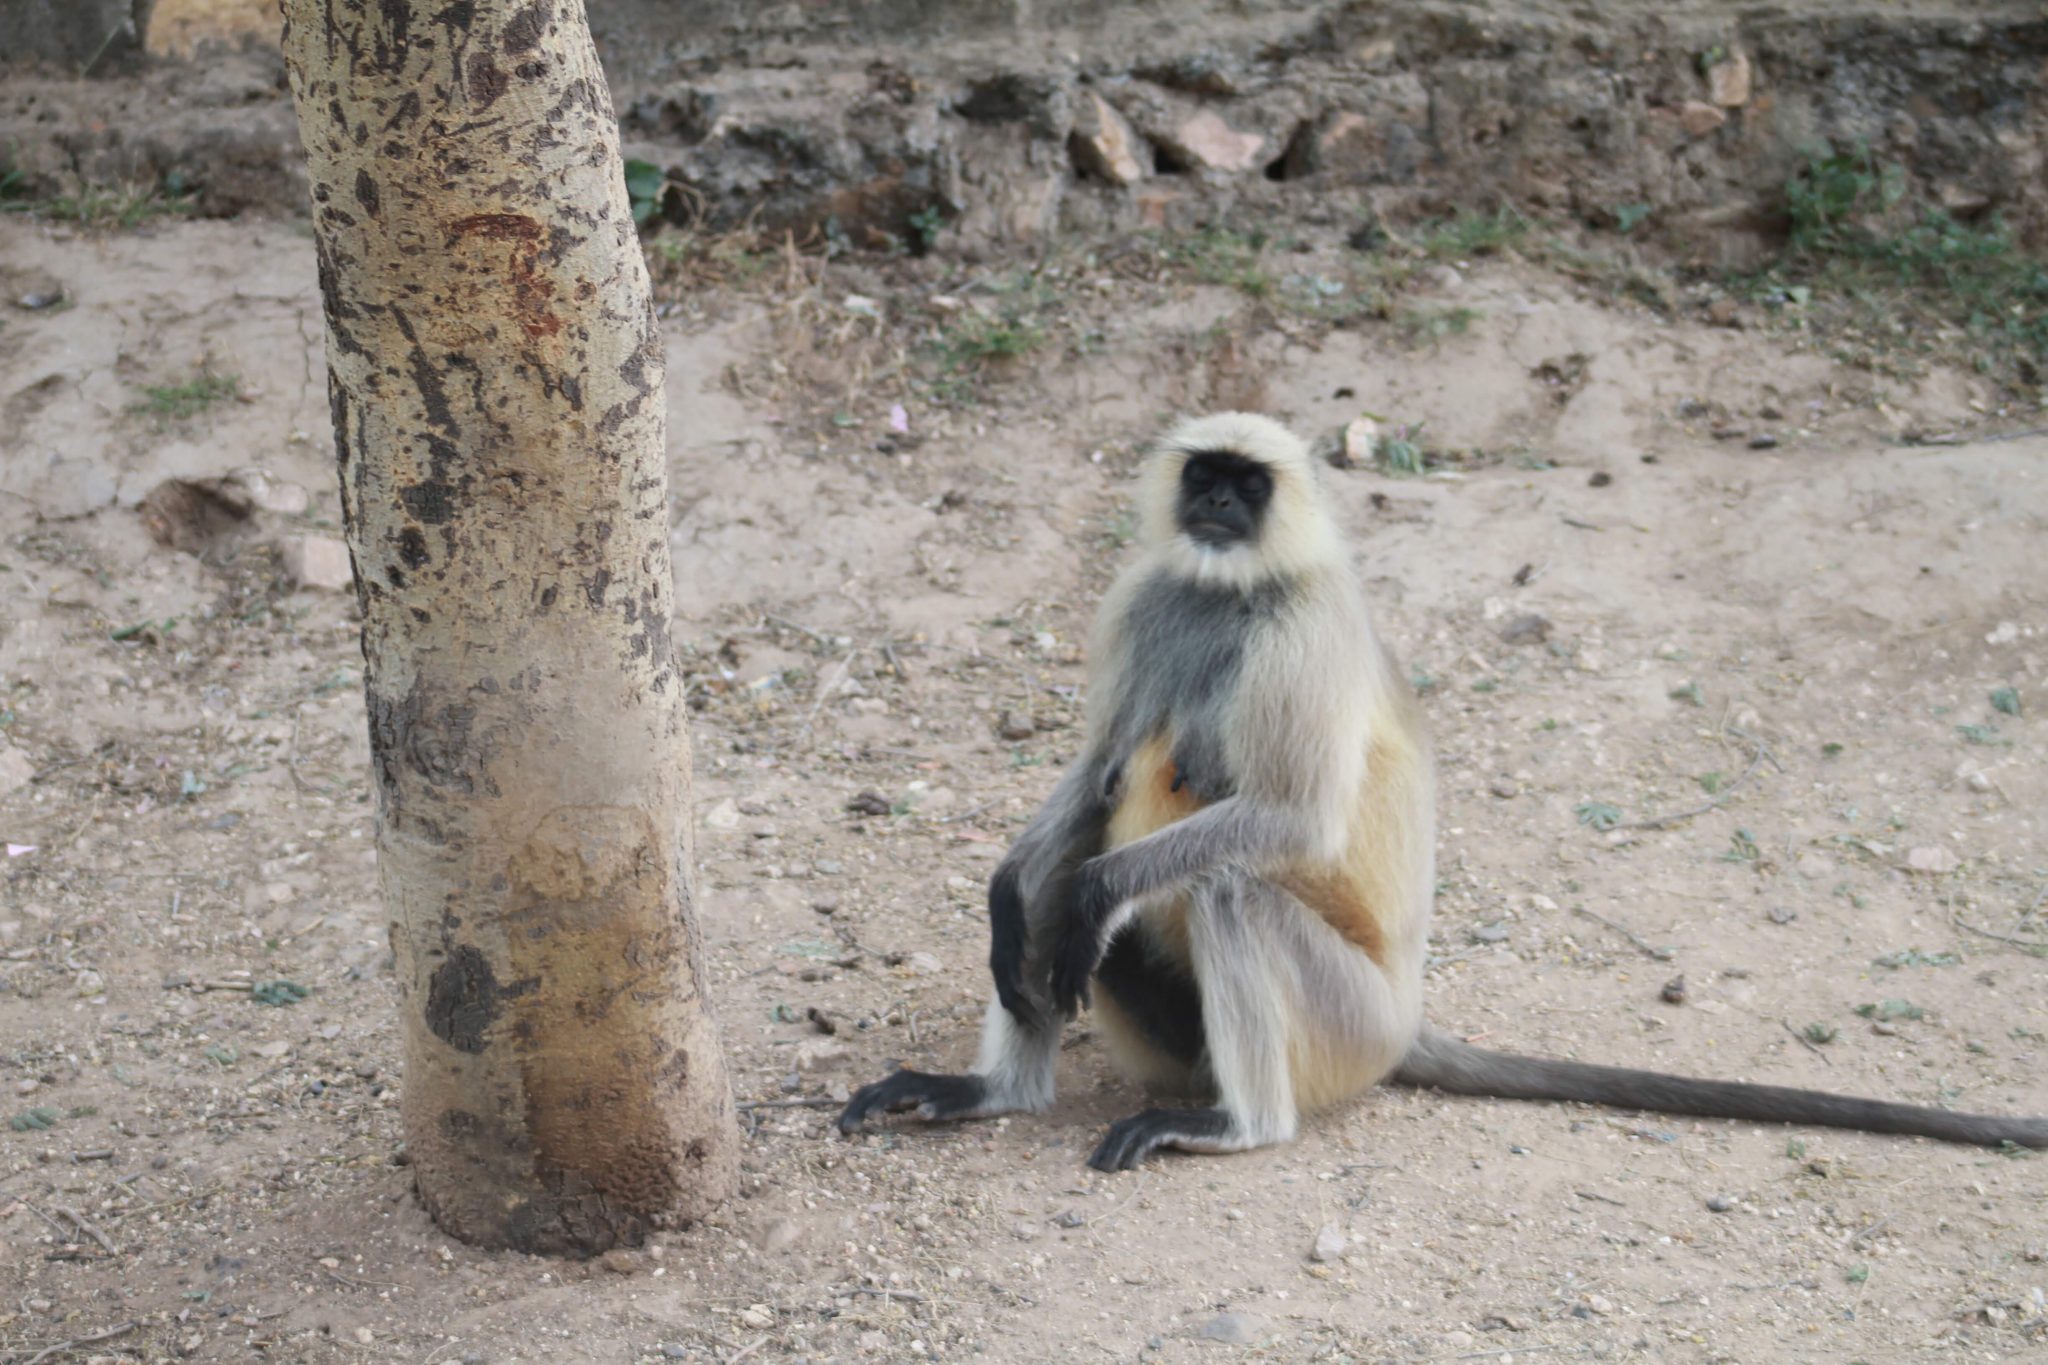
(883, 630)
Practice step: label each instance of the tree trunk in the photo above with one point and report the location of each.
(495, 377)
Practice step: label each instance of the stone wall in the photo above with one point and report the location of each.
(973, 122)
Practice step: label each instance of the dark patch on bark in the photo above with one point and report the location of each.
(698, 1152)
(406, 111)
(547, 597)
(340, 217)
(594, 587)
(433, 398)
(458, 15)
(420, 615)
(394, 39)
(433, 501)
(394, 575)
(462, 999)
(367, 194)
(486, 82)
(333, 302)
(524, 30)
(460, 1125)
(505, 226)
(412, 549)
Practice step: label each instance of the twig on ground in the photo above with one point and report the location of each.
(63, 1346)
(1660, 954)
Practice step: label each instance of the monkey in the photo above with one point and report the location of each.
(1237, 873)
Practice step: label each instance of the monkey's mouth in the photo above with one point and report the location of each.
(1215, 535)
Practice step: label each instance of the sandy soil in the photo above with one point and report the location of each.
(1813, 631)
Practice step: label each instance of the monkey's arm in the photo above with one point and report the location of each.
(1238, 831)
(1030, 884)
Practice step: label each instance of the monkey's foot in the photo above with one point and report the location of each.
(1129, 1141)
(932, 1096)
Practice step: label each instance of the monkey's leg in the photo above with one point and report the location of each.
(1248, 986)
(1014, 1072)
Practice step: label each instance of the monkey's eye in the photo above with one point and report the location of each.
(1256, 486)
(1198, 477)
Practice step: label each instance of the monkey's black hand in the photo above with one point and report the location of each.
(1006, 925)
(932, 1096)
(1079, 950)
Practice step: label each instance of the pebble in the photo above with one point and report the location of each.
(1505, 788)
(1674, 991)
(1934, 860)
(758, 1315)
(828, 867)
(723, 815)
(1235, 1329)
(1490, 933)
(1013, 726)
(1330, 1243)
(1526, 629)
(1720, 1203)
(318, 562)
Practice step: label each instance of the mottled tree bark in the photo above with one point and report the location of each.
(495, 376)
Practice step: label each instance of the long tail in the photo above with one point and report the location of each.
(1450, 1064)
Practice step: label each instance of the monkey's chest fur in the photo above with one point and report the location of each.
(1183, 669)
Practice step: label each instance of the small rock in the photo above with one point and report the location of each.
(1103, 143)
(36, 300)
(1206, 142)
(724, 815)
(1069, 1218)
(924, 964)
(1361, 442)
(816, 1053)
(1763, 440)
(1529, 629)
(1013, 726)
(365, 1335)
(1933, 861)
(1023, 1231)
(827, 867)
(1728, 81)
(758, 1316)
(829, 905)
(1330, 1243)
(1976, 779)
(1600, 1304)
(1781, 914)
(869, 803)
(254, 488)
(1720, 1203)
(1699, 118)
(272, 1051)
(1506, 788)
(1725, 312)
(318, 562)
(1674, 991)
(1235, 1329)
(1490, 933)
(15, 770)
(781, 1235)
(620, 1261)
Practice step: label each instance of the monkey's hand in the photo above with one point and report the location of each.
(1007, 932)
(1093, 901)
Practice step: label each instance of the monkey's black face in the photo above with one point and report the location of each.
(1223, 498)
